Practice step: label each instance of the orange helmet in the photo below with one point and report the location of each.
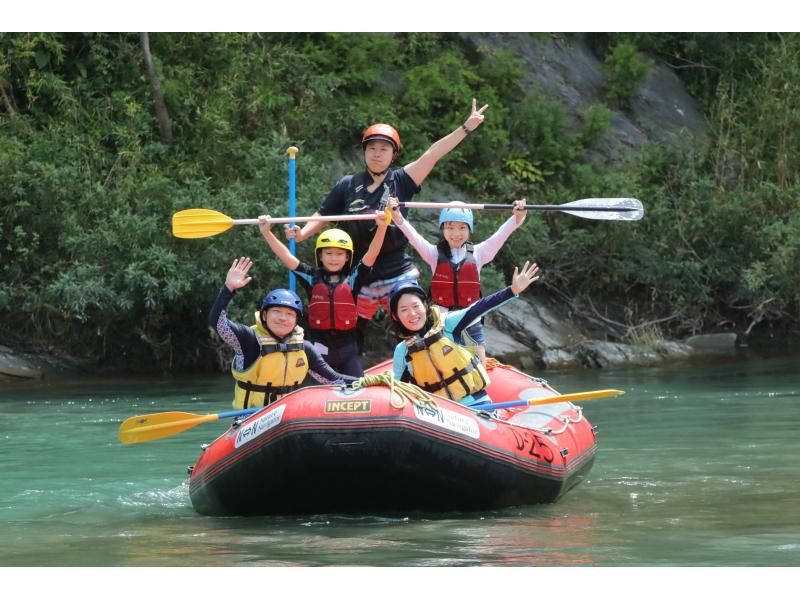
(384, 133)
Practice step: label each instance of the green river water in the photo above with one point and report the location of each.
(697, 466)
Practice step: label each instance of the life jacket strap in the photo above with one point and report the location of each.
(423, 343)
(458, 376)
(271, 393)
(281, 347)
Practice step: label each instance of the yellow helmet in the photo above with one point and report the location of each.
(335, 238)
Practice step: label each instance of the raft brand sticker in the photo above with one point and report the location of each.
(351, 406)
(449, 419)
(256, 428)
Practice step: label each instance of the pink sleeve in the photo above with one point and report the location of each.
(485, 252)
(426, 251)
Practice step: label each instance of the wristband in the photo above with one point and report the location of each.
(466, 130)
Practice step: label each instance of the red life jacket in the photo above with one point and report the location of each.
(455, 285)
(332, 306)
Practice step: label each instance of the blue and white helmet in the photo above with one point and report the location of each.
(456, 215)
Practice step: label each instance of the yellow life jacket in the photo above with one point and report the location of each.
(442, 367)
(280, 369)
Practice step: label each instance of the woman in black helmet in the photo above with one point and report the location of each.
(364, 191)
(271, 357)
(432, 352)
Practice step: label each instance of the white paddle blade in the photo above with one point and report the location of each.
(605, 208)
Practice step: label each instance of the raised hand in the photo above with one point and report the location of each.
(521, 280)
(264, 222)
(519, 210)
(475, 119)
(237, 274)
(383, 217)
(394, 206)
(292, 232)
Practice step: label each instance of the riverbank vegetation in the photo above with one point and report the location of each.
(92, 166)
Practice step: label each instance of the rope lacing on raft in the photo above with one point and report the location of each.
(401, 392)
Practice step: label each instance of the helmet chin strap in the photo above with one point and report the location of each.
(383, 172)
(377, 174)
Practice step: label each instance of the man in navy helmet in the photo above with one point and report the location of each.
(271, 357)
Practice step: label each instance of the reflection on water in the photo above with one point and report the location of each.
(697, 466)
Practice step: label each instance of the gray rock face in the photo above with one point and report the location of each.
(713, 343)
(532, 334)
(603, 354)
(16, 366)
(566, 69)
(534, 325)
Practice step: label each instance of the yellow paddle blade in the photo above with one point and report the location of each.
(578, 396)
(144, 428)
(198, 223)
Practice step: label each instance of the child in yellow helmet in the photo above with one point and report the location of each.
(331, 285)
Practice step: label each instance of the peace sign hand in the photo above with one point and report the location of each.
(522, 280)
(475, 119)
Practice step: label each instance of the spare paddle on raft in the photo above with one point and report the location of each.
(575, 396)
(599, 208)
(198, 223)
(144, 428)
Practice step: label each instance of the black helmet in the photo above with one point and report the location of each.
(403, 288)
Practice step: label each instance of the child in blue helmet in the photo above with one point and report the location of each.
(456, 263)
(271, 357)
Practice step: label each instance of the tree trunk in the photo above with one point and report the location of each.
(7, 99)
(164, 123)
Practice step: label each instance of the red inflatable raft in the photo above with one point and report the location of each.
(328, 450)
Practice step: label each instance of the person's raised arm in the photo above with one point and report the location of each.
(309, 230)
(427, 251)
(422, 166)
(377, 240)
(278, 248)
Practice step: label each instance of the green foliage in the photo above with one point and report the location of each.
(595, 121)
(88, 188)
(626, 72)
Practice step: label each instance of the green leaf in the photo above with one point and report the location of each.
(42, 58)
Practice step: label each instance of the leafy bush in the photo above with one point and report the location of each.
(626, 72)
(86, 253)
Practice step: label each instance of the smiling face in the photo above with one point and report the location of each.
(455, 233)
(411, 312)
(280, 321)
(333, 259)
(378, 155)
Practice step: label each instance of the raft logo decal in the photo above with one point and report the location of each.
(256, 428)
(349, 406)
(450, 420)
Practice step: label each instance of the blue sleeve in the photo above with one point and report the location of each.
(335, 200)
(305, 275)
(320, 370)
(356, 275)
(241, 338)
(456, 321)
(399, 365)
